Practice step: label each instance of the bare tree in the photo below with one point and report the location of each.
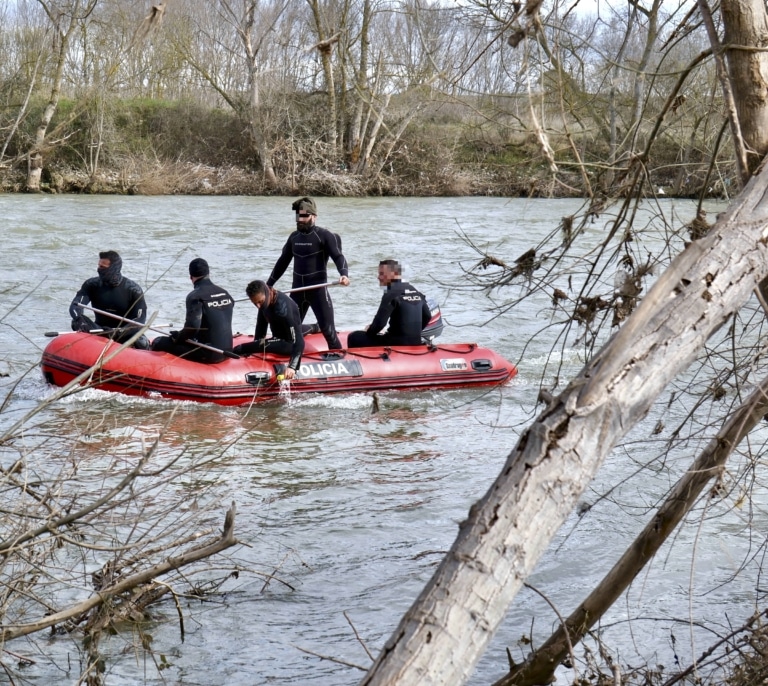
(66, 18)
(250, 24)
(90, 540)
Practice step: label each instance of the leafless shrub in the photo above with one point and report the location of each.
(99, 527)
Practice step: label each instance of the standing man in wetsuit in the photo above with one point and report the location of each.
(402, 306)
(310, 246)
(112, 292)
(208, 320)
(281, 313)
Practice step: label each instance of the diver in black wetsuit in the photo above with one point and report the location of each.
(402, 306)
(281, 313)
(208, 320)
(309, 247)
(112, 292)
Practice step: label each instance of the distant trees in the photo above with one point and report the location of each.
(343, 95)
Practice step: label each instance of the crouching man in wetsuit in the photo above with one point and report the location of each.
(310, 246)
(208, 320)
(402, 306)
(281, 313)
(112, 292)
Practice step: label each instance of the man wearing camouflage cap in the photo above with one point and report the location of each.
(310, 246)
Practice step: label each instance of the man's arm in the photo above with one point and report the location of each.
(297, 338)
(297, 349)
(193, 320)
(261, 327)
(282, 263)
(79, 320)
(138, 310)
(426, 313)
(386, 308)
(333, 247)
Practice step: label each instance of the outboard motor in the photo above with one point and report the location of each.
(435, 325)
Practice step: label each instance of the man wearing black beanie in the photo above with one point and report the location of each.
(208, 320)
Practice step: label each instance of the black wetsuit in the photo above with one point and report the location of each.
(112, 293)
(208, 320)
(284, 320)
(407, 312)
(310, 248)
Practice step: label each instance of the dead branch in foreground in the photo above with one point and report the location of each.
(194, 554)
(540, 667)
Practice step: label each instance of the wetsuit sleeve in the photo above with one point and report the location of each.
(193, 319)
(297, 340)
(261, 327)
(81, 298)
(138, 311)
(426, 313)
(386, 308)
(333, 247)
(282, 263)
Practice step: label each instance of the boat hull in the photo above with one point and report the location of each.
(245, 380)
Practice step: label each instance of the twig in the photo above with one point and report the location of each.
(331, 659)
(357, 636)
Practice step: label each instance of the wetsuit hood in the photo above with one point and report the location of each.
(111, 276)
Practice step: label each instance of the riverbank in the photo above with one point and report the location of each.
(188, 178)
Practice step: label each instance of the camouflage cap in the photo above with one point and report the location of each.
(305, 205)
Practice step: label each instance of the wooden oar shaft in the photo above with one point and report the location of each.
(152, 328)
(312, 288)
(302, 288)
(95, 332)
(53, 334)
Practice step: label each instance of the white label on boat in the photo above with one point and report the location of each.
(455, 364)
(315, 370)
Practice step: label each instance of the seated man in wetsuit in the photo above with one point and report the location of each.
(281, 313)
(208, 320)
(112, 292)
(310, 246)
(402, 306)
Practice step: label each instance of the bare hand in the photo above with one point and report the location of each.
(290, 373)
(344, 280)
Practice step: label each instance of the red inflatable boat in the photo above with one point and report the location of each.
(241, 381)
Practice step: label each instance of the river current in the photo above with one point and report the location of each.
(353, 509)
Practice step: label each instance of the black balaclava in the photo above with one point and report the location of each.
(110, 276)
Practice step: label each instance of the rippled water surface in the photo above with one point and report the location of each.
(351, 509)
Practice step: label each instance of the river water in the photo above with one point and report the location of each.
(352, 508)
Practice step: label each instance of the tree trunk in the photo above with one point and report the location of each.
(746, 26)
(35, 168)
(540, 667)
(362, 92)
(444, 633)
(325, 47)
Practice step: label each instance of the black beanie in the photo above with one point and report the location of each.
(198, 267)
